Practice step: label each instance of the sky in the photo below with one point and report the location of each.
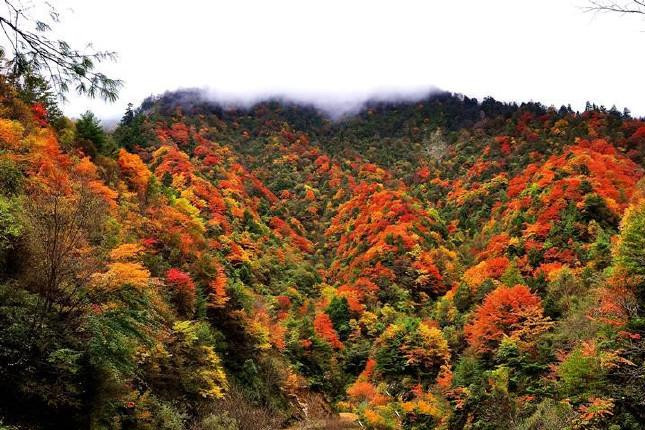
(340, 52)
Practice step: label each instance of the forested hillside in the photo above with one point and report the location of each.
(447, 263)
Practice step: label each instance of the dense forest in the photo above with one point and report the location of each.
(447, 263)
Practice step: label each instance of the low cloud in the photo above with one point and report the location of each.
(334, 105)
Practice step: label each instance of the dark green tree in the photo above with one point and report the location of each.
(91, 137)
(132, 130)
(339, 313)
(128, 116)
(36, 90)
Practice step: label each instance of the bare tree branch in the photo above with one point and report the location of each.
(625, 7)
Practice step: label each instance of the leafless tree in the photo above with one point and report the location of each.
(58, 232)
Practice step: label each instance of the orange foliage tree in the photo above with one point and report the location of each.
(134, 170)
(324, 328)
(514, 312)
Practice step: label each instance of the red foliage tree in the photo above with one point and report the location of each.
(324, 328)
(183, 289)
(514, 312)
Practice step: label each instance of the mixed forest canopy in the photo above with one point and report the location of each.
(443, 263)
(446, 263)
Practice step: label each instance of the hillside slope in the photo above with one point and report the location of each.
(439, 264)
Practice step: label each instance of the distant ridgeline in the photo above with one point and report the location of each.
(444, 263)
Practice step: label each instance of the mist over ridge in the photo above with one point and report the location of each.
(341, 106)
(335, 106)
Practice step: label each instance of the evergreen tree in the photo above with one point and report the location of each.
(338, 311)
(128, 116)
(91, 137)
(630, 253)
(131, 131)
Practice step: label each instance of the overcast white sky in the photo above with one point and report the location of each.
(514, 50)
